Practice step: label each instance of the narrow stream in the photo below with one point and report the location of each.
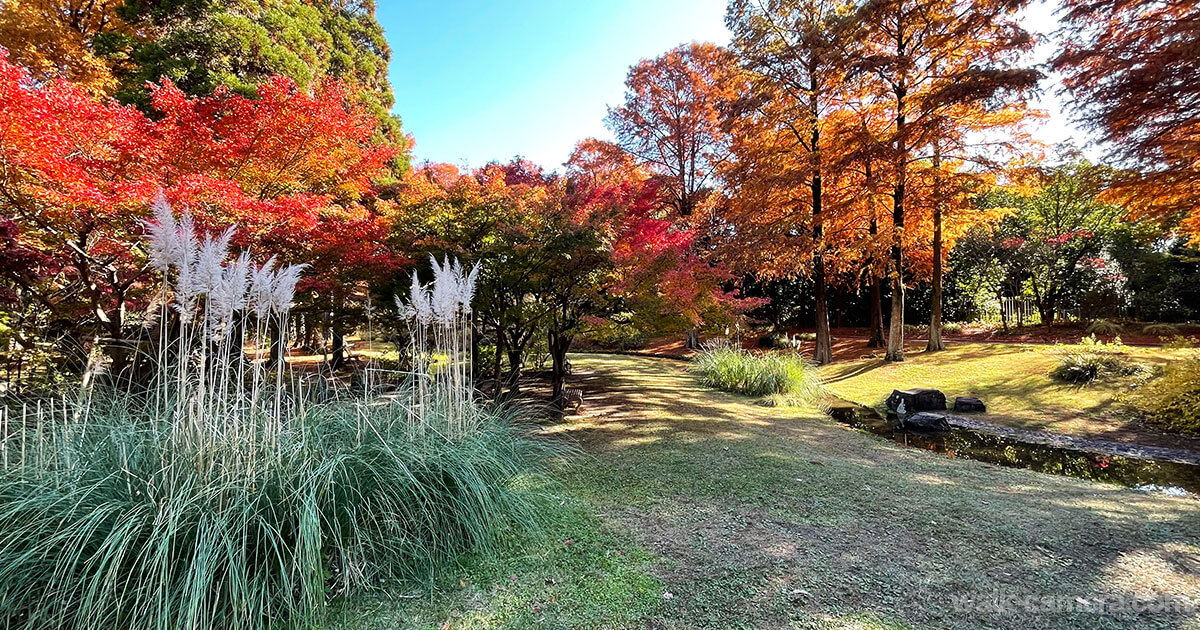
(1172, 477)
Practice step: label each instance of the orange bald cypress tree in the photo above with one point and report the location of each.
(794, 52)
(947, 69)
(1134, 70)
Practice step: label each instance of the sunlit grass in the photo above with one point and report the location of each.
(757, 517)
(1015, 380)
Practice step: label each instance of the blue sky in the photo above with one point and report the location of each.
(479, 80)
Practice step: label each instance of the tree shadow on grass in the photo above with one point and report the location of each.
(769, 517)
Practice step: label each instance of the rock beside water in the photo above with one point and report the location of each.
(926, 421)
(966, 404)
(917, 400)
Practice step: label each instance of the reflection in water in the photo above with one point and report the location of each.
(1010, 451)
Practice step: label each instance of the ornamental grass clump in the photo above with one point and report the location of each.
(1106, 327)
(1093, 360)
(779, 378)
(227, 495)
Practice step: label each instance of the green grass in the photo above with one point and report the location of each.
(757, 517)
(1016, 382)
(580, 573)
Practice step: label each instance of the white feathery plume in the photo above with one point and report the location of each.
(261, 280)
(211, 259)
(468, 289)
(154, 308)
(412, 310)
(459, 274)
(284, 288)
(243, 267)
(444, 299)
(189, 247)
(165, 248)
(229, 295)
(187, 285)
(422, 303)
(187, 289)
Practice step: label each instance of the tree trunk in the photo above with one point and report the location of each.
(120, 347)
(1003, 313)
(278, 334)
(516, 351)
(559, 344)
(895, 345)
(337, 357)
(935, 316)
(875, 339)
(513, 380)
(823, 352)
(238, 335)
(498, 366)
(1047, 313)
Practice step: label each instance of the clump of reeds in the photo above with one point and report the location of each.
(221, 305)
(779, 378)
(224, 497)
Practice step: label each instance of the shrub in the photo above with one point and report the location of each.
(1091, 360)
(780, 378)
(953, 328)
(1105, 327)
(1160, 330)
(1179, 342)
(915, 330)
(1173, 398)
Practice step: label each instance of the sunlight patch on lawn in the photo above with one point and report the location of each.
(1169, 568)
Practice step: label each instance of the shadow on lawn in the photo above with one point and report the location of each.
(766, 517)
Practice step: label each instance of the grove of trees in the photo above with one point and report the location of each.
(873, 162)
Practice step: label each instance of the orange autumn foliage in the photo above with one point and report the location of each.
(1134, 71)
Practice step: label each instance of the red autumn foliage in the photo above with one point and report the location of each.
(288, 167)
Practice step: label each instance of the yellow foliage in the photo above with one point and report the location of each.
(53, 38)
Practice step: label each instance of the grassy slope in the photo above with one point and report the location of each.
(1014, 380)
(774, 518)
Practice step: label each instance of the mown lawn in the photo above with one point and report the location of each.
(697, 509)
(1014, 380)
